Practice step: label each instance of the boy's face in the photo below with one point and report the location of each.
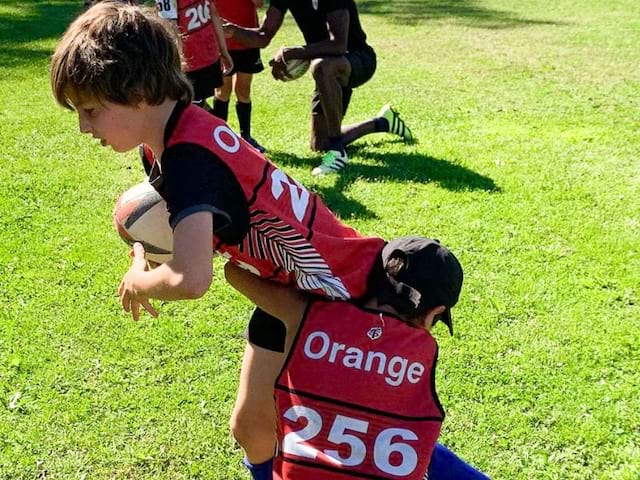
(120, 127)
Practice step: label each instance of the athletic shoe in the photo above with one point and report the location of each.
(396, 124)
(252, 141)
(333, 161)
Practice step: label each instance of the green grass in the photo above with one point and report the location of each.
(527, 115)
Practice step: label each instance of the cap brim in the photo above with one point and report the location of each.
(445, 317)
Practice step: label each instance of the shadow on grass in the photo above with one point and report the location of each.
(389, 167)
(412, 12)
(21, 56)
(33, 21)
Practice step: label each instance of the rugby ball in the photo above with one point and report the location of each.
(295, 68)
(140, 215)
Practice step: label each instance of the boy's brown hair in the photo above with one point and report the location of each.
(121, 53)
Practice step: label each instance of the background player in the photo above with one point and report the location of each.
(203, 44)
(342, 61)
(246, 62)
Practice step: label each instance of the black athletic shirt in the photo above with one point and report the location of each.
(312, 22)
(193, 179)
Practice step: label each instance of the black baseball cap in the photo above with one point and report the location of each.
(420, 274)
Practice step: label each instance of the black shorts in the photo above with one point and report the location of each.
(205, 81)
(363, 66)
(246, 61)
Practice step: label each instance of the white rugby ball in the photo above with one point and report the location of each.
(140, 215)
(295, 69)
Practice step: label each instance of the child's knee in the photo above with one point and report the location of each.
(243, 93)
(248, 425)
(257, 440)
(238, 428)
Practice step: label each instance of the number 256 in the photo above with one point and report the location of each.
(383, 446)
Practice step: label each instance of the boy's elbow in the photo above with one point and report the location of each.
(197, 288)
(192, 287)
(193, 292)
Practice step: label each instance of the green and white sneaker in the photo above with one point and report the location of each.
(396, 124)
(333, 161)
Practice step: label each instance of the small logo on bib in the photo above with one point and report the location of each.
(374, 333)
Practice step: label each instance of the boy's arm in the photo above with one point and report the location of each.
(284, 303)
(226, 60)
(186, 276)
(256, 37)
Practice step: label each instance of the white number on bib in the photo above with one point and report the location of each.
(299, 194)
(293, 440)
(198, 16)
(167, 9)
(337, 435)
(226, 139)
(383, 448)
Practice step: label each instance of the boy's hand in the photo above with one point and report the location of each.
(227, 62)
(127, 291)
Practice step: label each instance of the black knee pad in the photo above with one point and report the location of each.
(266, 331)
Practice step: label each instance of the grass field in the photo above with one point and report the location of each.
(527, 167)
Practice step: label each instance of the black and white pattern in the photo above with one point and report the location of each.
(332, 161)
(271, 239)
(397, 125)
(338, 164)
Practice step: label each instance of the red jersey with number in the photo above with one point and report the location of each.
(240, 12)
(293, 237)
(356, 397)
(199, 42)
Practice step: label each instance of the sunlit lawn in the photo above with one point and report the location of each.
(527, 115)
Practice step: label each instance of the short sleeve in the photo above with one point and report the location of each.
(194, 180)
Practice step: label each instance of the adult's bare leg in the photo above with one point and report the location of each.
(330, 75)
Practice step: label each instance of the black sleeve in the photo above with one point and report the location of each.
(195, 180)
